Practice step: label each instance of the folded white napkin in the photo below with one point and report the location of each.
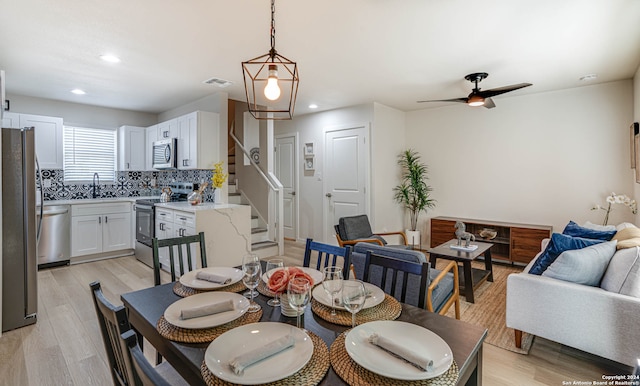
(212, 277)
(241, 362)
(209, 309)
(419, 361)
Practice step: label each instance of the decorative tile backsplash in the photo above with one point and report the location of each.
(128, 184)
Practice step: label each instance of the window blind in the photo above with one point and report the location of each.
(88, 151)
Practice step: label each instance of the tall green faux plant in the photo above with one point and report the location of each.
(413, 192)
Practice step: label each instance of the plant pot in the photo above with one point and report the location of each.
(413, 237)
(285, 307)
(216, 196)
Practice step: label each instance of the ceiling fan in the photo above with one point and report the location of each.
(482, 98)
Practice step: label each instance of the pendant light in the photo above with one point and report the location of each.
(271, 82)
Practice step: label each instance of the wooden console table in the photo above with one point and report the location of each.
(516, 243)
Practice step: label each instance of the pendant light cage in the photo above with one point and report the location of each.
(256, 73)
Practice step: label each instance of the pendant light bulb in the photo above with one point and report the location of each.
(272, 90)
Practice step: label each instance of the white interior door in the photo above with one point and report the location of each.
(346, 179)
(285, 170)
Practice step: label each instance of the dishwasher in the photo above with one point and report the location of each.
(54, 244)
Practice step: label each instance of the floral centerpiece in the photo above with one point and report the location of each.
(279, 280)
(219, 176)
(616, 199)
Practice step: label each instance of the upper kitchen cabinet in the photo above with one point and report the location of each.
(132, 143)
(48, 136)
(168, 129)
(151, 136)
(198, 138)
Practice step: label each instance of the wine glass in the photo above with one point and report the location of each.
(272, 266)
(252, 271)
(298, 293)
(332, 283)
(353, 297)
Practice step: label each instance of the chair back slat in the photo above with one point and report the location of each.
(113, 323)
(179, 244)
(393, 268)
(327, 255)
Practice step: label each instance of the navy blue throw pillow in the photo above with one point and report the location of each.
(558, 244)
(575, 230)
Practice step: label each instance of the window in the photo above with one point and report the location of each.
(88, 151)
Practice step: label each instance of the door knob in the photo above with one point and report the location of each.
(293, 193)
(329, 195)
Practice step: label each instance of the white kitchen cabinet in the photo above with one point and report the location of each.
(169, 224)
(168, 129)
(48, 136)
(198, 139)
(100, 228)
(151, 136)
(132, 143)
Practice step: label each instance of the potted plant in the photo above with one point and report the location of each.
(413, 191)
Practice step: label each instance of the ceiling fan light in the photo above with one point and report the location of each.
(475, 100)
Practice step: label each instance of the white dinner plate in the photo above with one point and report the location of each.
(412, 336)
(376, 296)
(316, 275)
(172, 313)
(251, 336)
(189, 278)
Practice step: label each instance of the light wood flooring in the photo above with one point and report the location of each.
(65, 347)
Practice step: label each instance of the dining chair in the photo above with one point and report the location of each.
(144, 373)
(179, 244)
(327, 255)
(355, 229)
(398, 278)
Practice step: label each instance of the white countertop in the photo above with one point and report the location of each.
(94, 200)
(186, 207)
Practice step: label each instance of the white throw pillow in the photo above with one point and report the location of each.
(596, 227)
(582, 266)
(623, 225)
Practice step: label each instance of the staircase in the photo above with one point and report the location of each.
(260, 243)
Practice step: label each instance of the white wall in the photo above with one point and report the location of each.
(636, 118)
(310, 128)
(542, 158)
(76, 114)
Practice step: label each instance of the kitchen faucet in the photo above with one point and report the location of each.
(96, 188)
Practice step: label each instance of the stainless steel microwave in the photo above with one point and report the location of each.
(165, 154)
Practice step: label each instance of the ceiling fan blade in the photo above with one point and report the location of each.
(502, 90)
(461, 100)
(488, 103)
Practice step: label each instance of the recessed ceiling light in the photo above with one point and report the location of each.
(313, 106)
(588, 77)
(77, 91)
(110, 58)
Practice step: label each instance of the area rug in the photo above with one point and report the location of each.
(489, 310)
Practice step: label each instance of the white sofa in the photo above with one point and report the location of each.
(591, 319)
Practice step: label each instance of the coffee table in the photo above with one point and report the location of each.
(471, 277)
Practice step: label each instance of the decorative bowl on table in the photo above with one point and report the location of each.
(488, 234)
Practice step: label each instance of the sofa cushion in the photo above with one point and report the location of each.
(583, 266)
(622, 274)
(558, 244)
(598, 227)
(628, 237)
(575, 230)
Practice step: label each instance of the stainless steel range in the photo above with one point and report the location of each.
(145, 219)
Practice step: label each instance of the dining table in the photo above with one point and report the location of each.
(146, 306)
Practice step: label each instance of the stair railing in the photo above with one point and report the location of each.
(275, 220)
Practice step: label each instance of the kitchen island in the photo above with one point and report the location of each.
(227, 228)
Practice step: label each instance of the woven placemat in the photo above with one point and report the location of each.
(204, 335)
(311, 374)
(354, 374)
(184, 291)
(389, 309)
(263, 289)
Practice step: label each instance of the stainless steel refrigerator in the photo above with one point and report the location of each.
(19, 240)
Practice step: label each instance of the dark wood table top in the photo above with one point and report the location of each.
(147, 305)
(446, 251)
